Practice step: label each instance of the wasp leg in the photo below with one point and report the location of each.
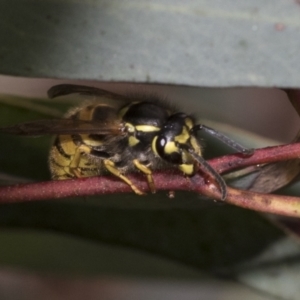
(110, 166)
(75, 162)
(147, 172)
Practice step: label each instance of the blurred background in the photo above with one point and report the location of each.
(124, 246)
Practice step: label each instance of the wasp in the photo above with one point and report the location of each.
(121, 134)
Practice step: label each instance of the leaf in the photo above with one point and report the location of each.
(275, 271)
(26, 285)
(201, 235)
(200, 43)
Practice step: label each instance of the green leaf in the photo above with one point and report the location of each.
(202, 235)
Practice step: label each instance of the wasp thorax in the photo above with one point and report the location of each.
(142, 121)
(146, 114)
(129, 128)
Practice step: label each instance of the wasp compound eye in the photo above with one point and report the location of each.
(168, 150)
(161, 143)
(158, 145)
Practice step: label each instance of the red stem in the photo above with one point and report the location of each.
(166, 180)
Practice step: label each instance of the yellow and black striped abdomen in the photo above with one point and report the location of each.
(70, 154)
(69, 159)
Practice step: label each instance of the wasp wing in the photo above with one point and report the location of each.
(67, 89)
(63, 126)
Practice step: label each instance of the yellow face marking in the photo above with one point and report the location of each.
(170, 147)
(154, 146)
(189, 123)
(187, 169)
(183, 137)
(132, 141)
(196, 146)
(147, 128)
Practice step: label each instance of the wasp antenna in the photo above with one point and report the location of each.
(223, 138)
(210, 170)
(219, 179)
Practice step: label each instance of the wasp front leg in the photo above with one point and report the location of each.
(147, 171)
(110, 166)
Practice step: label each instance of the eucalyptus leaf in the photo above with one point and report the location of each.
(200, 43)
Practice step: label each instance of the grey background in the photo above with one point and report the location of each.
(194, 42)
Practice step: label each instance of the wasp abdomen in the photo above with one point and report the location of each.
(71, 155)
